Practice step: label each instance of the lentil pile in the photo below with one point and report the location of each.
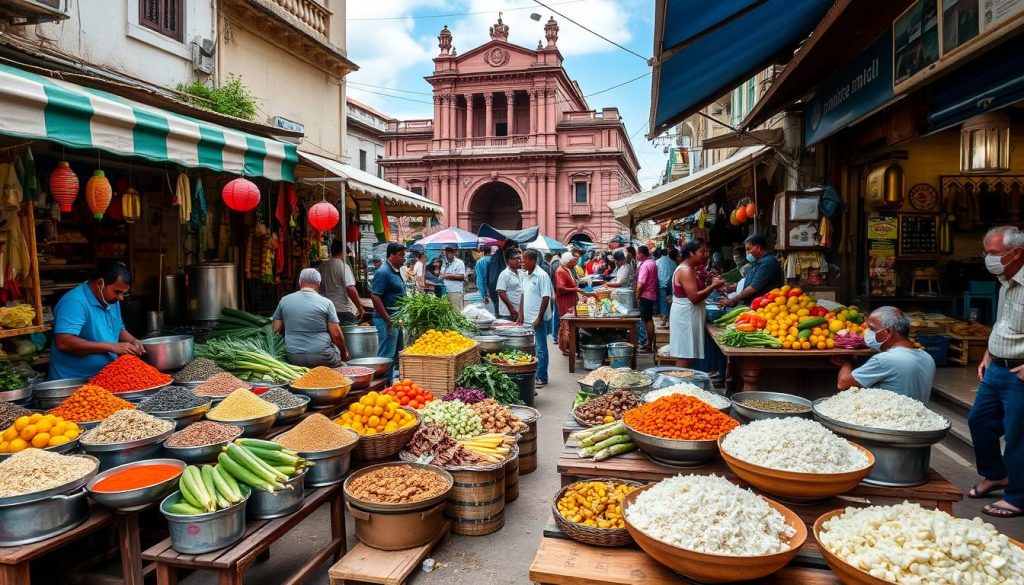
(172, 398)
(90, 403)
(282, 398)
(780, 406)
(316, 433)
(353, 371)
(128, 373)
(35, 470)
(241, 405)
(220, 384)
(10, 413)
(201, 433)
(321, 377)
(607, 408)
(397, 484)
(124, 426)
(680, 417)
(197, 370)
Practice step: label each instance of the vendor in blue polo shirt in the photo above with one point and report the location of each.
(88, 330)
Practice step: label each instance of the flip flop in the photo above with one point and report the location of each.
(1003, 511)
(975, 494)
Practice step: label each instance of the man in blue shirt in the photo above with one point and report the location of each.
(388, 286)
(764, 274)
(88, 330)
(481, 277)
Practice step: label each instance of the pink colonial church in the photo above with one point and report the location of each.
(514, 144)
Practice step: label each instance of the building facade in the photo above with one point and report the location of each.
(364, 137)
(513, 143)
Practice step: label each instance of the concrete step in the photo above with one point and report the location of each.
(956, 412)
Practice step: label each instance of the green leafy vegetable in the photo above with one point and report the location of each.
(255, 358)
(491, 381)
(419, 313)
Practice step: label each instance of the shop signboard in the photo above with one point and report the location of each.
(882, 234)
(860, 87)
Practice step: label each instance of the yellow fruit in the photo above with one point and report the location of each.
(10, 434)
(34, 417)
(370, 431)
(805, 345)
(70, 426)
(58, 440)
(21, 423)
(374, 421)
(44, 425)
(830, 343)
(28, 432)
(3, 446)
(17, 445)
(58, 429)
(41, 440)
(378, 410)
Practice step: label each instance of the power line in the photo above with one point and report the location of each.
(397, 97)
(431, 16)
(597, 34)
(389, 88)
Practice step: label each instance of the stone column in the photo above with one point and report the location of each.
(542, 117)
(510, 116)
(451, 121)
(441, 198)
(488, 114)
(469, 117)
(437, 121)
(550, 125)
(532, 96)
(551, 218)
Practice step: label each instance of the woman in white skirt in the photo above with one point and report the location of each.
(687, 316)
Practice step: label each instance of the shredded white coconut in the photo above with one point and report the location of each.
(710, 514)
(714, 400)
(793, 444)
(909, 545)
(881, 409)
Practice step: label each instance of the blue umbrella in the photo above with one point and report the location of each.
(546, 244)
(453, 236)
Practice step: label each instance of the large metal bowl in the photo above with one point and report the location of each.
(292, 413)
(17, 396)
(490, 343)
(64, 488)
(323, 396)
(115, 454)
(135, 499)
(747, 413)
(138, 396)
(379, 365)
(185, 416)
(331, 465)
(168, 352)
(251, 427)
(200, 453)
(359, 381)
(50, 394)
(43, 518)
(65, 448)
(674, 452)
(265, 505)
(395, 508)
(203, 533)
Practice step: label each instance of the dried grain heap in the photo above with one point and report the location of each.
(220, 385)
(282, 398)
(128, 373)
(793, 444)
(204, 432)
(316, 433)
(90, 403)
(241, 405)
(172, 398)
(397, 484)
(35, 470)
(321, 377)
(124, 426)
(197, 370)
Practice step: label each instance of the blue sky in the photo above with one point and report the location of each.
(394, 42)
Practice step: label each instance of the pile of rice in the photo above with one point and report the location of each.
(710, 514)
(793, 444)
(881, 409)
(710, 398)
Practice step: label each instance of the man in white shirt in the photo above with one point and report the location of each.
(509, 287)
(453, 272)
(535, 308)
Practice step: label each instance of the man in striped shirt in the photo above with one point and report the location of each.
(998, 409)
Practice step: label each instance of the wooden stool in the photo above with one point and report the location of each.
(928, 276)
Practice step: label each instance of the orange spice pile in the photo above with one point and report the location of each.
(128, 373)
(678, 416)
(90, 403)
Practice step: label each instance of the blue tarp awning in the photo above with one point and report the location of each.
(702, 50)
(984, 85)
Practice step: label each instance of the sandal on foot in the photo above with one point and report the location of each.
(975, 494)
(997, 511)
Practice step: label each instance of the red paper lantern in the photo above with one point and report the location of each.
(116, 209)
(64, 186)
(98, 193)
(323, 216)
(241, 194)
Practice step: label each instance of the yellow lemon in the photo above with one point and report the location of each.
(58, 440)
(10, 434)
(34, 417)
(21, 423)
(16, 445)
(44, 425)
(41, 440)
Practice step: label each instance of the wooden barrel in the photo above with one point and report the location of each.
(528, 439)
(511, 479)
(476, 504)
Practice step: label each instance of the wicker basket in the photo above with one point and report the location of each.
(437, 373)
(586, 534)
(385, 445)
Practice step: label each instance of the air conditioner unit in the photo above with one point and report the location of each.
(203, 51)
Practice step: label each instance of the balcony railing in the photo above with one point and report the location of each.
(310, 12)
(411, 126)
(579, 209)
(605, 115)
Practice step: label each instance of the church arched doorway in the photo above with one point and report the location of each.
(496, 204)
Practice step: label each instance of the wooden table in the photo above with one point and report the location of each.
(15, 560)
(576, 323)
(231, 563)
(750, 361)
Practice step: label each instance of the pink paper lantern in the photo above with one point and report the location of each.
(241, 194)
(323, 216)
(64, 186)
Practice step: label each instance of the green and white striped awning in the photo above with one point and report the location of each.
(38, 107)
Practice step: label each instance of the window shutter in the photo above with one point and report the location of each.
(149, 13)
(172, 18)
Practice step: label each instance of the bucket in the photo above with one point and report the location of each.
(397, 531)
(620, 354)
(527, 386)
(593, 356)
(511, 480)
(476, 504)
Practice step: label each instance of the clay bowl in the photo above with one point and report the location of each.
(714, 568)
(797, 486)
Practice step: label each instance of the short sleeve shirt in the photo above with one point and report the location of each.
(81, 314)
(647, 280)
(509, 282)
(481, 268)
(666, 266)
(901, 370)
(336, 276)
(305, 315)
(765, 274)
(388, 285)
(624, 275)
(456, 266)
(535, 286)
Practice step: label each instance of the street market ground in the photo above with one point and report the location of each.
(504, 557)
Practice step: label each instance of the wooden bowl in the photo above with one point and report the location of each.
(715, 568)
(795, 485)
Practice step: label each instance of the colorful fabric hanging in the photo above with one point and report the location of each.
(199, 211)
(29, 178)
(380, 222)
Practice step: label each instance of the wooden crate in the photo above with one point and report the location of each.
(964, 350)
(437, 373)
(363, 564)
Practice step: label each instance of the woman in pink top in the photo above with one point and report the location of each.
(687, 317)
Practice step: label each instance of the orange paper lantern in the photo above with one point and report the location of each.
(64, 186)
(323, 216)
(98, 193)
(241, 194)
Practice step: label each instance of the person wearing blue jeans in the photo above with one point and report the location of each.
(387, 287)
(554, 323)
(998, 410)
(535, 308)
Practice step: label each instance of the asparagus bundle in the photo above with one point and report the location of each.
(604, 441)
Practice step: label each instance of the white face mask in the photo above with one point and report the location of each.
(994, 264)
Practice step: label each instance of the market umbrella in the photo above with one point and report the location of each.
(546, 244)
(453, 236)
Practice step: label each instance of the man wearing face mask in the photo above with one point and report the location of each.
(998, 410)
(88, 330)
(898, 366)
(764, 274)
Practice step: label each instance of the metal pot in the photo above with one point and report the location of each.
(38, 520)
(625, 297)
(168, 352)
(203, 533)
(265, 505)
(490, 343)
(361, 341)
(211, 287)
(331, 465)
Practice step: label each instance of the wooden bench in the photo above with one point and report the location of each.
(231, 563)
(15, 561)
(364, 564)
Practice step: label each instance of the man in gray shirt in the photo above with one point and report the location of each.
(338, 284)
(312, 336)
